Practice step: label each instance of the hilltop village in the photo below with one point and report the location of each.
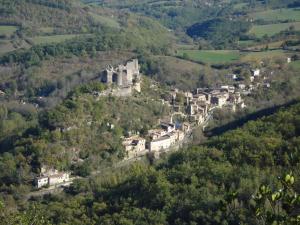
(194, 109)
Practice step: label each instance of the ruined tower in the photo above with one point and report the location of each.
(122, 75)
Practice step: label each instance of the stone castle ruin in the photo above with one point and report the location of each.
(124, 76)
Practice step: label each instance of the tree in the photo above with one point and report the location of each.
(32, 216)
(280, 206)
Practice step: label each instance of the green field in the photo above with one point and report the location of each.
(47, 30)
(225, 56)
(240, 5)
(52, 38)
(8, 30)
(210, 56)
(263, 55)
(271, 29)
(295, 64)
(278, 14)
(246, 43)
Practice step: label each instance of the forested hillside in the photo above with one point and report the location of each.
(82, 134)
(52, 64)
(56, 114)
(189, 186)
(173, 14)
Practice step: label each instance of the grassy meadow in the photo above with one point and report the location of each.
(295, 65)
(228, 56)
(254, 56)
(7, 30)
(52, 38)
(278, 14)
(271, 29)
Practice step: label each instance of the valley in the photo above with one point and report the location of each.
(149, 112)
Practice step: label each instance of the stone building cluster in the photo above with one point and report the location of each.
(51, 177)
(164, 137)
(199, 103)
(126, 77)
(258, 79)
(195, 110)
(156, 140)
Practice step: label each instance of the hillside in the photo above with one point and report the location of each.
(140, 112)
(191, 186)
(173, 14)
(28, 23)
(82, 134)
(47, 63)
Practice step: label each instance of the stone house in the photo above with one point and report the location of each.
(160, 144)
(134, 146)
(58, 178)
(220, 99)
(228, 88)
(200, 97)
(41, 182)
(168, 127)
(51, 178)
(156, 133)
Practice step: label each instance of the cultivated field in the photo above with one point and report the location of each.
(295, 65)
(7, 30)
(263, 55)
(271, 29)
(278, 14)
(240, 5)
(52, 38)
(210, 56)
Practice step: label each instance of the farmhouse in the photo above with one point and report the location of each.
(51, 178)
(42, 181)
(58, 178)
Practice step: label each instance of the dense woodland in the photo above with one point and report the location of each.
(192, 186)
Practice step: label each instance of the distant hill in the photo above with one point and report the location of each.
(173, 14)
(220, 31)
(32, 32)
